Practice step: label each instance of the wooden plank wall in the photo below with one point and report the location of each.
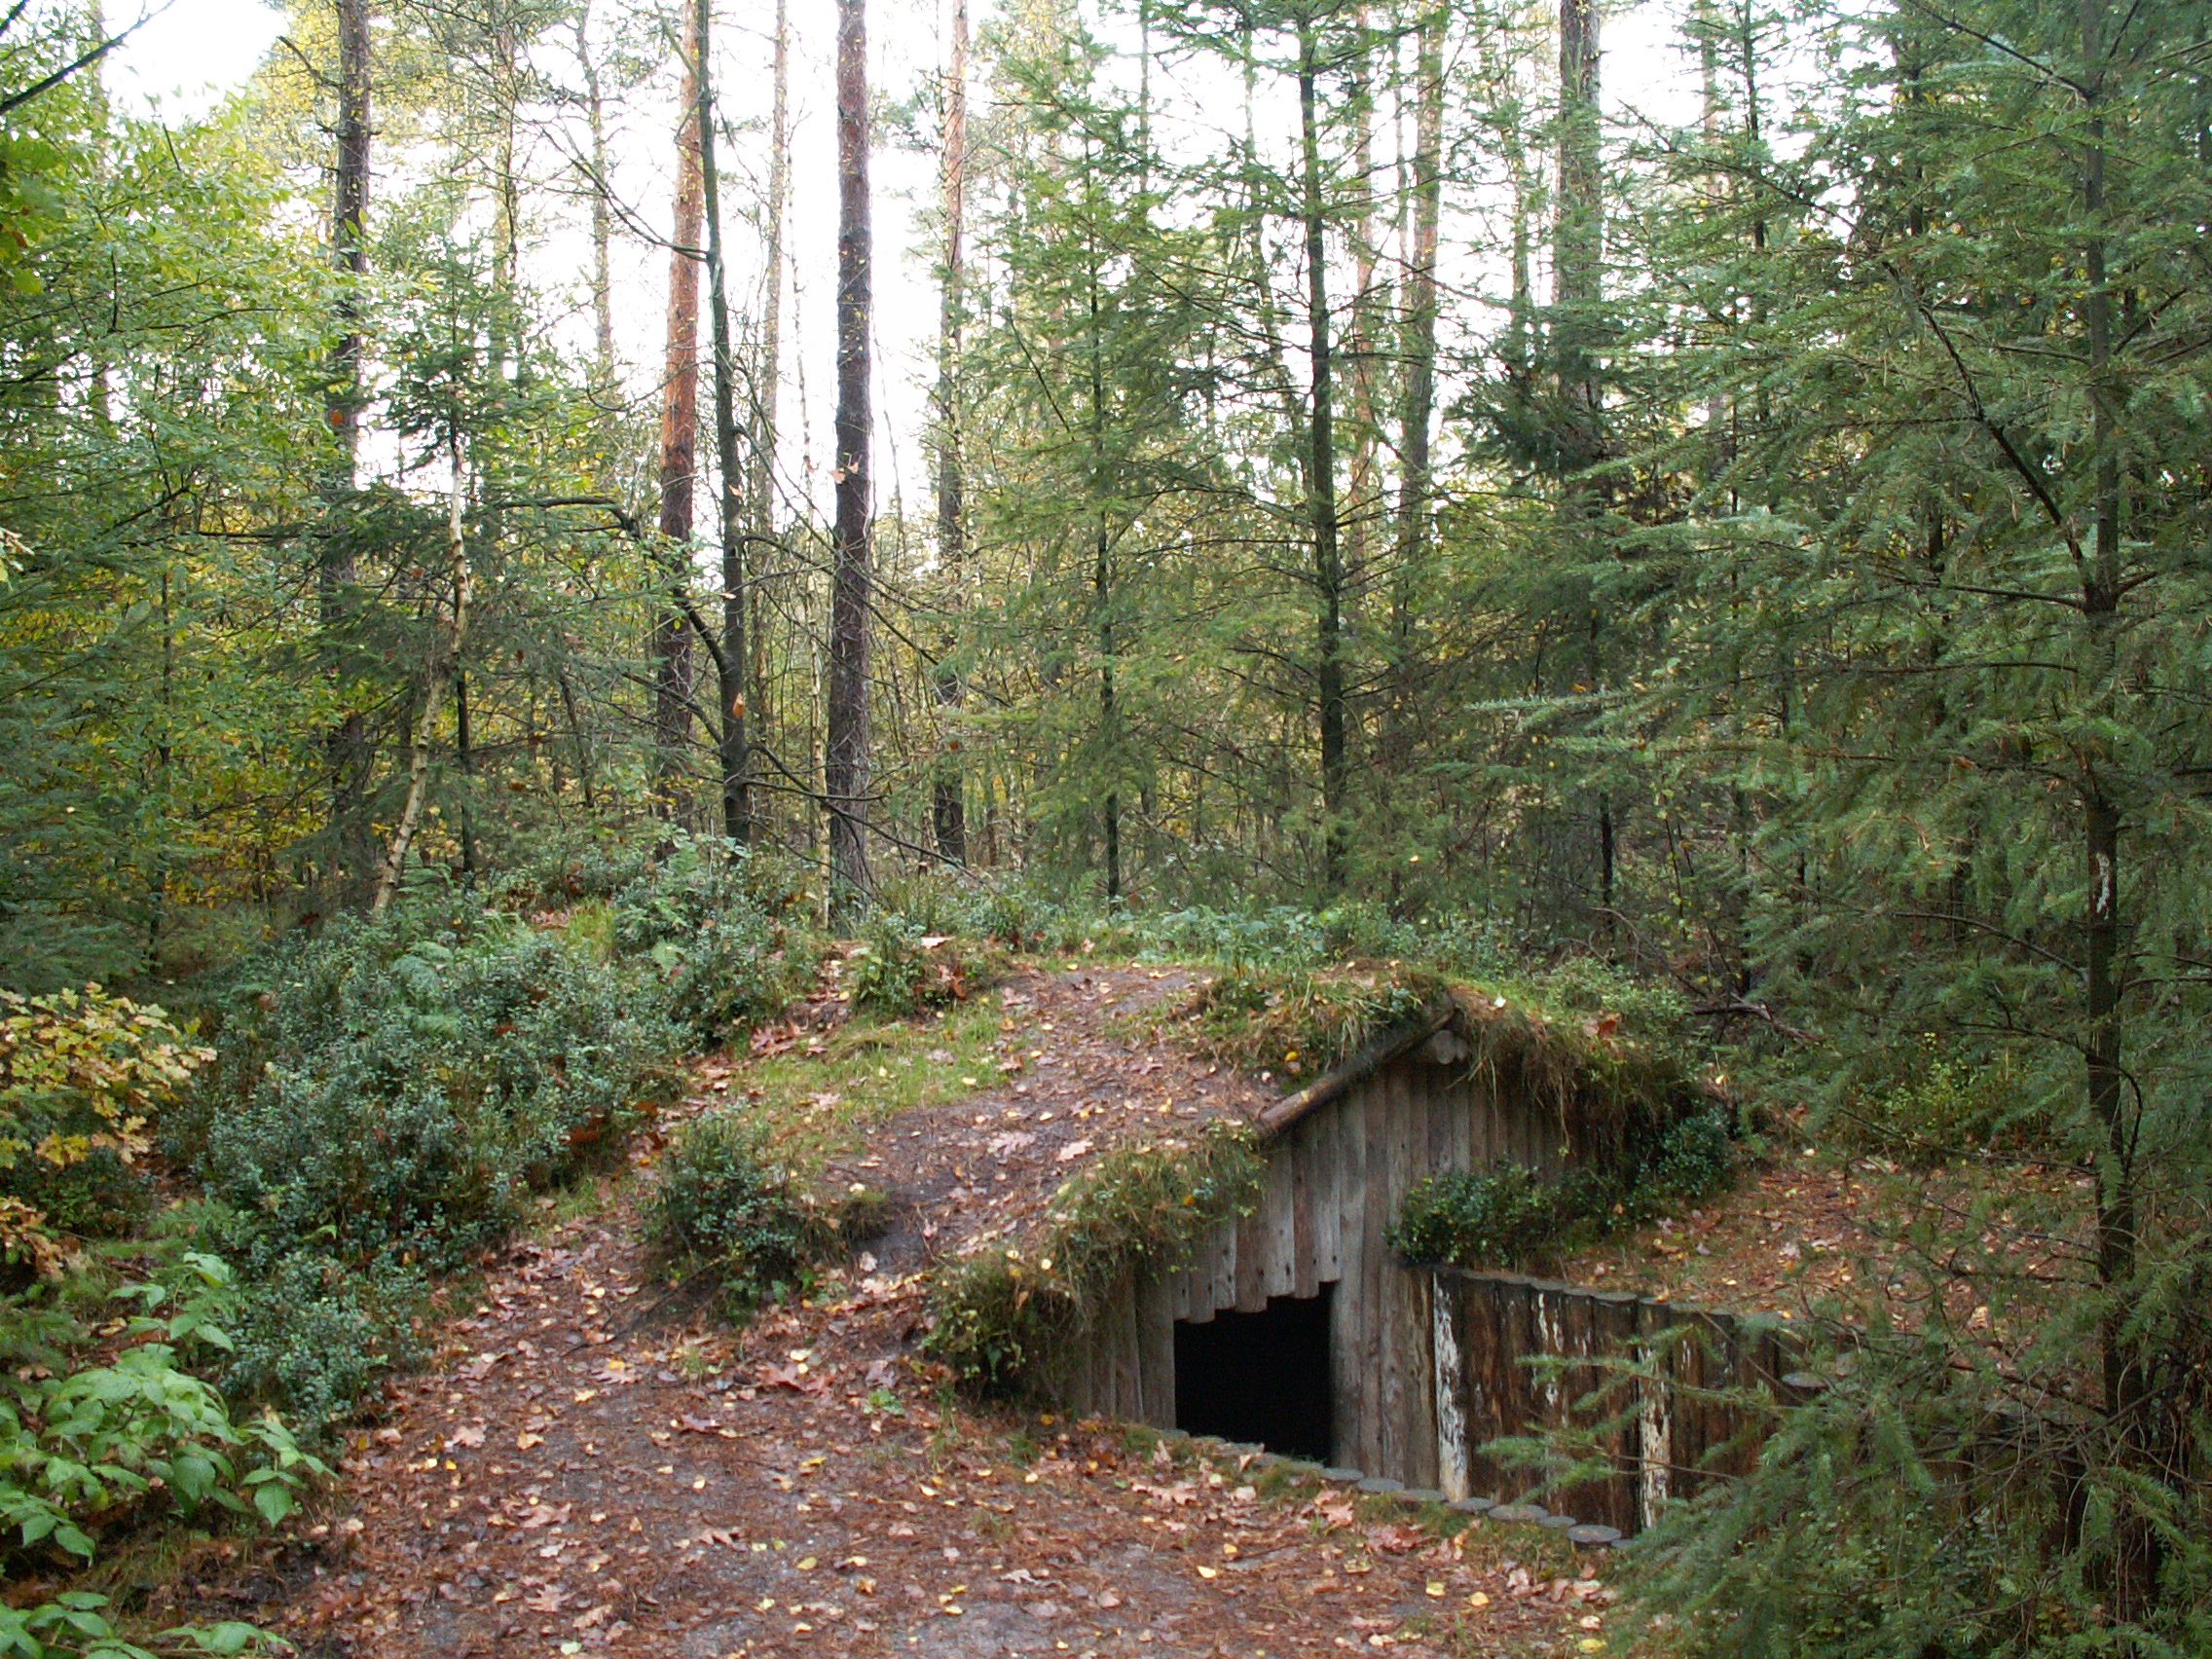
(1664, 1436)
(1334, 1181)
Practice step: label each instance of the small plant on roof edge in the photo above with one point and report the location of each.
(997, 1317)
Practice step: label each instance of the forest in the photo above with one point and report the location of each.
(540, 540)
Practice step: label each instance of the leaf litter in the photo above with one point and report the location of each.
(596, 1468)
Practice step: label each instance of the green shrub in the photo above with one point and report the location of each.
(721, 1201)
(395, 1089)
(83, 1075)
(724, 935)
(1943, 1106)
(901, 970)
(1509, 1216)
(87, 1448)
(996, 1317)
(1297, 1024)
(1479, 1217)
(312, 1337)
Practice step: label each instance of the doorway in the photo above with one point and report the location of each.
(1260, 1377)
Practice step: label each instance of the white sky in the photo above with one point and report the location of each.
(188, 57)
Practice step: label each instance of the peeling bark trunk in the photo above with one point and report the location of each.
(438, 675)
(731, 747)
(672, 642)
(948, 805)
(845, 759)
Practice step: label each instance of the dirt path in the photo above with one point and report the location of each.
(596, 1467)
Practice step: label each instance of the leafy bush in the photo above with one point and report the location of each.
(901, 970)
(1943, 1106)
(1291, 937)
(396, 1090)
(999, 1316)
(722, 1200)
(85, 1447)
(721, 933)
(312, 1337)
(1510, 1216)
(82, 1074)
(1496, 1217)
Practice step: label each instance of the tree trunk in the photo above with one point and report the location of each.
(768, 385)
(1321, 485)
(1419, 390)
(948, 807)
(2137, 1418)
(678, 445)
(438, 673)
(730, 661)
(845, 760)
(1355, 510)
(1102, 592)
(603, 375)
(1577, 259)
(348, 744)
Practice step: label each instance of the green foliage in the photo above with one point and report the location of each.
(722, 1200)
(311, 1335)
(901, 971)
(88, 1447)
(1000, 1317)
(1510, 1216)
(1940, 1107)
(1299, 1023)
(82, 1074)
(723, 933)
(401, 1086)
(1290, 937)
(1925, 1504)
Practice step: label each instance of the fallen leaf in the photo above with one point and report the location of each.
(469, 1434)
(787, 1377)
(1074, 1150)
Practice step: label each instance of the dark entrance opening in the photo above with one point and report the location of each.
(1260, 1377)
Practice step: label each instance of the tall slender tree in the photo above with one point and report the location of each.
(948, 803)
(348, 744)
(846, 772)
(731, 656)
(673, 635)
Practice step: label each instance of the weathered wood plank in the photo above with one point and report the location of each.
(1327, 1147)
(1386, 1160)
(1155, 1341)
(1221, 1292)
(1279, 1221)
(1349, 1332)
(1305, 1243)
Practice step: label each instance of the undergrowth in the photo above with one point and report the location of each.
(999, 1316)
(723, 1202)
(1296, 1023)
(1509, 1216)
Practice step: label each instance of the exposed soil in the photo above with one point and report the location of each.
(595, 1465)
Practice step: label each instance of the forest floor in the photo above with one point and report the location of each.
(1818, 1229)
(597, 1462)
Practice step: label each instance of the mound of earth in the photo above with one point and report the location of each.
(594, 1464)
